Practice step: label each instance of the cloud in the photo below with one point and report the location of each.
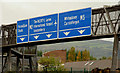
(14, 11)
(59, 0)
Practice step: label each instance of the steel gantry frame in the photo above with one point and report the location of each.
(105, 24)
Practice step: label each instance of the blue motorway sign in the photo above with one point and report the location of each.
(75, 23)
(71, 24)
(22, 31)
(43, 28)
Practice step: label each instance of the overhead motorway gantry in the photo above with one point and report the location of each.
(105, 24)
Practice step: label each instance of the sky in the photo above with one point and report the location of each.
(13, 10)
(59, 0)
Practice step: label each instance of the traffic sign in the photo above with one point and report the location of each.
(71, 24)
(75, 23)
(22, 31)
(43, 28)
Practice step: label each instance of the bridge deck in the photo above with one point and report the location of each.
(83, 38)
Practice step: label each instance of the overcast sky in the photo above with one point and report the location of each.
(13, 10)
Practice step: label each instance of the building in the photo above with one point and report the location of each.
(57, 53)
(88, 65)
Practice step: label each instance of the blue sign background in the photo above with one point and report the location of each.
(75, 23)
(71, 24)
(43, 28)
(22, 31)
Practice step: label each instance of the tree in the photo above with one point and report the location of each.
(92, 58)
(71, 55)
(51, 63)
(86, 55)
(39, 53)
(79, 56)
(67, 52)
(76, 54)
(103, 58)
(109, 58)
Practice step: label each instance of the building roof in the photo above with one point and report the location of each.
(57, 53)
(88, 65)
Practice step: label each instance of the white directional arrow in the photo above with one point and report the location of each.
(66, 33)
(55, 22)
(48, 35)
(22, 39)
(36, 37)
(81, 31)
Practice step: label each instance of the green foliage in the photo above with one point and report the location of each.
(109, 58)
(86, 55)
(92, 58)
(79, 56)
(65, 49)
(26, 51)
(51, 63)
(61, 68)
(39, 53)
(76, 55)
(29, 51)
(98, 46)
(33, 51)
(67, 52)
(103, 58)
(71, 55)
(48, 61)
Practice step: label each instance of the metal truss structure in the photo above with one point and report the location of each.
(105, 24)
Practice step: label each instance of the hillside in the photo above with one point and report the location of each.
(97, 48)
